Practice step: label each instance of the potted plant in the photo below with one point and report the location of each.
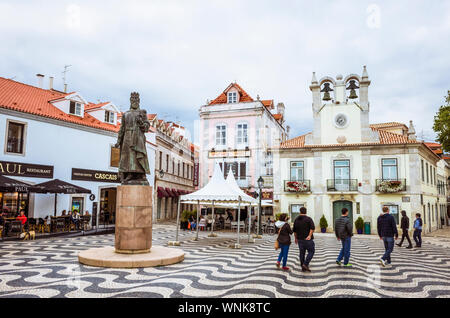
(323, 224)
(359, 224)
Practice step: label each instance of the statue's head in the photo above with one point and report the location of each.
(134, 100)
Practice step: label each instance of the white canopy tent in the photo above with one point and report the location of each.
(216, 191)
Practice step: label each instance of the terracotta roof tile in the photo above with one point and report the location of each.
(92, 106)
(222, 98)
(387, 125)
(30, 99)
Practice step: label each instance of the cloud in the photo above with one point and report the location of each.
(178, 54)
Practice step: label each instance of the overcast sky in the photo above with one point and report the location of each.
(178, 54)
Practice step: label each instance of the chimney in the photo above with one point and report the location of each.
(280, 108)
(40, 79)
(411, 131)
(50, 82)
(65, 88)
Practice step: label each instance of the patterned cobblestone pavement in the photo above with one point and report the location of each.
(49, 268)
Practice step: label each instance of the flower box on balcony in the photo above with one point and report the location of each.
(297, 186)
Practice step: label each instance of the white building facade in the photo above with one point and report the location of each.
(49, 135)
(347, 162)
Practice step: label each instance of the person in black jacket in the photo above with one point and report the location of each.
(387, 230)
(343, 229)
(404, 224)
(303, 230)
(284, 239)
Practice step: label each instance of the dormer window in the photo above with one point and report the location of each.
(75, 108)
(232, 97)
(109, 117)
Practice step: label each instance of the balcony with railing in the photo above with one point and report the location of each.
(297, 186)
(342, 185)
(390, 186)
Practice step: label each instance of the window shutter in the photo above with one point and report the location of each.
(243, 173)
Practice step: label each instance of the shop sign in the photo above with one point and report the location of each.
(268, 181)
(267, 195)
(229, 153)
(196, 174)
(95, 175)
(25, 170)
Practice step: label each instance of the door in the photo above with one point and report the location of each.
(337, 210)
(342, 175)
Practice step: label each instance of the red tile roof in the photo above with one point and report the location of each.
(277, 116)
(385, 138)
(268, 103)
(222, 98)
(92, 106)
(388, 125)
(33, 100)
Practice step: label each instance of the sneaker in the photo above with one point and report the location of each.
(339, 263)
(278, 264)
(383, 262)
(348, 265)
(285, 268)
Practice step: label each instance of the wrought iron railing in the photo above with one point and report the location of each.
(390, 186)
(340, 185)
(297, 186)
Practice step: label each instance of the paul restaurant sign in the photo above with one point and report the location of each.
(25, 170)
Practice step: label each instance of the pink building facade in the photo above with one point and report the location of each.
(238, 131)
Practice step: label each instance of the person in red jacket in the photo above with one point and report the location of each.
(22, 217)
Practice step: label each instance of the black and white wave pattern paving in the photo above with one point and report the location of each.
(49, 268)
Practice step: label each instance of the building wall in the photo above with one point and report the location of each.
(64, 146)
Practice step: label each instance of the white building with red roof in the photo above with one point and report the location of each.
(49, 134)
(348, 162)
(238, 131)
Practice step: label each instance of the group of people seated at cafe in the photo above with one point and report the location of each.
(74, 216)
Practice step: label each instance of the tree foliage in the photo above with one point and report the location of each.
(442, 124)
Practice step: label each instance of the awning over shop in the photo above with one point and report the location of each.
(170, 193)
(162, 193)
(11, 185)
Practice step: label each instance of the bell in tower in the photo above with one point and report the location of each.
(326, 90)
(352, 86)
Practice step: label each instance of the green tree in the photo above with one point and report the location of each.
(442, 124)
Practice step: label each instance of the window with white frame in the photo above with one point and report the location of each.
(15, 137)
(389, 169)
(109, 117)
(294, 210)
(297, 170)
(241, 134)
(393, 210)
(75, 108)
(232, 97)
(221, 135)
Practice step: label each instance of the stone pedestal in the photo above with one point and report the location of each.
(133, 219)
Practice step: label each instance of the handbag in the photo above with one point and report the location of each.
(277, 244)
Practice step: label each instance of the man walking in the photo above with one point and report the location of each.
(418, 230)
(344, 232)
(387, 230)
(404, 224)
(303, 231)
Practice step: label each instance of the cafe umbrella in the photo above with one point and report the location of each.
(11, 185)
(57, 186)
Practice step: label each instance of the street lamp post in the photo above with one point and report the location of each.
(260, 185)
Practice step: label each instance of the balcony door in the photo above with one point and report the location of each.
(342, 175)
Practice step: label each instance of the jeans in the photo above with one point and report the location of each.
(389, 247)
(283, 254)
(345, 250)
(405, 235)
(193, 225)
(303, 246)
(418, 237)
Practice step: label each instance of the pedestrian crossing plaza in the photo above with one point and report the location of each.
(50, 268)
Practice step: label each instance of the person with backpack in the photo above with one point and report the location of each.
(404, 224)
(343, 229)
(283, 239)
(387, 230)
(417, 236)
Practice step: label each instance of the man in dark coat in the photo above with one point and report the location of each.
(133, 164)
(343, 229)
(404, 225)
(303, 230)
(387, 230)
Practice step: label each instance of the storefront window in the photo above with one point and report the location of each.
(107, 206)
(12, 203)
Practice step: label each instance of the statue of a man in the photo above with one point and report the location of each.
(133, 164)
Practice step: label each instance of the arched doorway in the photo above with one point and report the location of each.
(337, 209)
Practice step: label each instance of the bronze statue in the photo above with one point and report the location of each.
(133, 163)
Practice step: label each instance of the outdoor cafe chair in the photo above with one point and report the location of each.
(60, 224)
(32, 224)
(16, 227)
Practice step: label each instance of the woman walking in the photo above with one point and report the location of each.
(284, 240)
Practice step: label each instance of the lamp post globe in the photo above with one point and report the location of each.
(260, 185)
